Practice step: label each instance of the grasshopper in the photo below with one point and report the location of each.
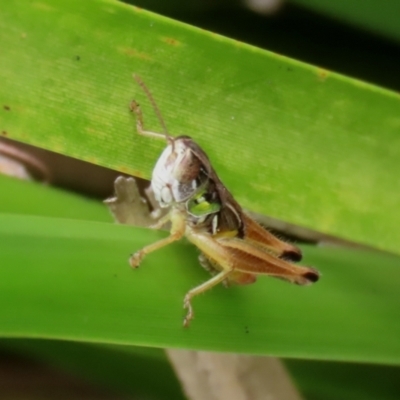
(234, 247)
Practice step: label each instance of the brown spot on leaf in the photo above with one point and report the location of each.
(171, 41)
(4, 133)
(322, 74)
(129, 51)
(7, 108)
(92, 160)
(129, 171)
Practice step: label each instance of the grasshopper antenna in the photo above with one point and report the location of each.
(135, 108)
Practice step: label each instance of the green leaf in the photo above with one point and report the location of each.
(293, 141)
(133, 369)
(30, 198)
(345, 381)
(69, 279)
(376, 15)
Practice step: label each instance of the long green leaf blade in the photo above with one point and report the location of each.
(30, 198)
(69, 279)
(133, 368)
(375, 15)
(345, 381)
(290, 140)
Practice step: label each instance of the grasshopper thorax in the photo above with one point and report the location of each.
(179, 174)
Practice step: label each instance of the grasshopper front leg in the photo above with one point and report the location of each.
(176, 233)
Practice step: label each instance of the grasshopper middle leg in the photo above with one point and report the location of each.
(220, 277)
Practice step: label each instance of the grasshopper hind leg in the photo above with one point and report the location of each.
(235, 277)
(211, 267)
(238, 261)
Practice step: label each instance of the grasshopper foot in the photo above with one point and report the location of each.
(135, 259)
(189, 316)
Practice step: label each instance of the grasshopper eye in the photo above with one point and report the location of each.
(198, 206)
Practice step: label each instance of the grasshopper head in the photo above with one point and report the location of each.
(179, 173)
